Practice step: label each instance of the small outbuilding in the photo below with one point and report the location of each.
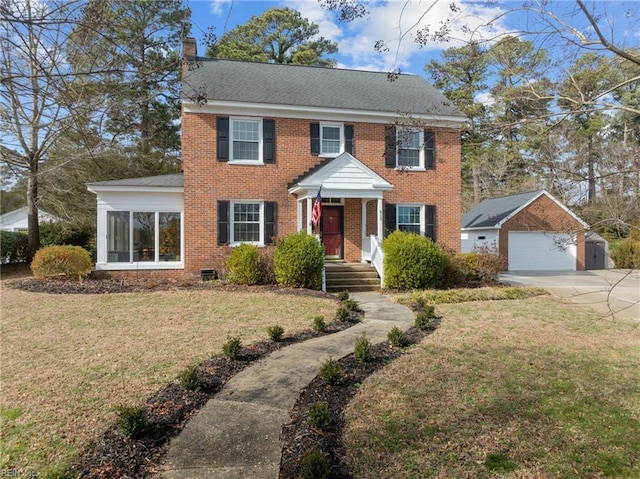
(532, 231)
(16, 220)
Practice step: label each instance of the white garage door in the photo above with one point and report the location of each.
(541, 251)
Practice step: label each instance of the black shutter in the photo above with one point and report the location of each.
(222, 131)
(390, 147)
(429, 149)
(315, 138)
(270, 222)
(348, 139)
(223, 222)
(430, 221)
(390, 218)
(269, 141)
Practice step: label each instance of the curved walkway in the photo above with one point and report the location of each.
(237, 433)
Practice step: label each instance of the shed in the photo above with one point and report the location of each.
(532, 231)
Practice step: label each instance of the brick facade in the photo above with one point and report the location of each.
(544, 214)
(207, 180)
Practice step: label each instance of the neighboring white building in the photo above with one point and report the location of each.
(16, 220)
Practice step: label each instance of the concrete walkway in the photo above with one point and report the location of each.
(237, 433)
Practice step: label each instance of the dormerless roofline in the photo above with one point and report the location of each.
(318, 113)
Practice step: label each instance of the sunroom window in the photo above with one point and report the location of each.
(134, 236)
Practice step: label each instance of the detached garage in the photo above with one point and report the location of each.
(533, 231)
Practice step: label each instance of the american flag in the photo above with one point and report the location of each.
(317, 209)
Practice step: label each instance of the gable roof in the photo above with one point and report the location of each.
(16, 216)
(493, 212)
(219, 80)
(344, 176)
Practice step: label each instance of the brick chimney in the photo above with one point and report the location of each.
(189, 48)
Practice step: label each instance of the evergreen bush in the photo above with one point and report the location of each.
(412, 262)
(318, 415)
(298, 261)
(243, 265)
(132, 420)
(61, 261)
(275, 332)
(626, 254)
(318, 324)
(315, 465)
(331, 372)
(362, 351)
(13, 247)
(231, 348)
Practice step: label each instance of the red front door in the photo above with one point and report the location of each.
(332, 231)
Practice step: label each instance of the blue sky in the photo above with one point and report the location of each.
(396, 22)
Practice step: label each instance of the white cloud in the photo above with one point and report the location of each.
(485, 98)
(396, 22)
(217, 6)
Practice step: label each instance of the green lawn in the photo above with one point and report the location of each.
(505, 389)
(68, 360)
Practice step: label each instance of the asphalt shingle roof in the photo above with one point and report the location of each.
(491, 211)
(268, 83)
(175, 180)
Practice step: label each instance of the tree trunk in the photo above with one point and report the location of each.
(33, 223)
(477, 194)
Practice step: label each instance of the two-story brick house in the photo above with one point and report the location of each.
(258, 142)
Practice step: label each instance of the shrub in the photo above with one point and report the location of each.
(331, 372)
(243, 265)
(489, 263)
(189, 379)
(412, 262)
(13, 246)
(131, 420)
(453, 275)
(362, 351)
(63, 233)
(314, 464)
(318, 415)
(298, 261)
(351, 305)
(342, 314)
(231, 348)
(626, 254)
(318, 324)
(397, 337)
(343, 296)
(265, 266)
(61, 261)
(425, 318)
(275, 332)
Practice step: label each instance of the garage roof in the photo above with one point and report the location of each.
(493, 212)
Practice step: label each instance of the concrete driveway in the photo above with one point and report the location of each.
(612, 293)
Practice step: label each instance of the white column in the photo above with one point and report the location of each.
(364, 218)
(380, 230)
(309, 210)
(299, 202)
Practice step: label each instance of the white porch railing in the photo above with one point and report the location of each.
(377, 257)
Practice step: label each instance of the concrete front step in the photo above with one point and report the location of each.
(353, 277)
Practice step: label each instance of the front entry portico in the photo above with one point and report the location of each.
(356, 186)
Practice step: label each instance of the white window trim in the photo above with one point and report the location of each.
(260, 160)
(141, 265)
(423, 226)
(340, 126)
(232, 240)
(421, 166)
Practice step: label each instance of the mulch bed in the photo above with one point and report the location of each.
(298, 436)
(115, 456)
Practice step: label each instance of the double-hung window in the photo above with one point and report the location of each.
(247, 221)
(246, 140)
(410, 154)
(410, 148)
(331, 142)
(134, 236)
(409, 218)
